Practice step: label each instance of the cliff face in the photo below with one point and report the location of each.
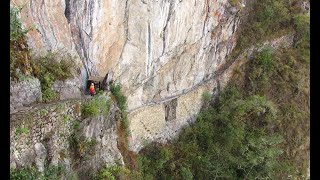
(156, 49)
(55, 134)
(161, 52)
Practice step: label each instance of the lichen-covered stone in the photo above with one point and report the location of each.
(68, 89)
(102, 130)
(47, 138)
(24, 93)
(41, 156)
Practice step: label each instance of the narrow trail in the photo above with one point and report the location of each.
(210, 77)
(36, 106)
(221, 70)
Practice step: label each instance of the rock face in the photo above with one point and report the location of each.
(160, 51)
(41, 156)
(47, 134)
(156, 49)
(102, 130)
(24, 93)
(69, 89)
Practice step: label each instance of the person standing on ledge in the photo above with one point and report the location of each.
(92, 89)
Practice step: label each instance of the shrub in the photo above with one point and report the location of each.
(113, 172)
(21, 130)
(17, 32)
(206, 96)
(302, 38)
(121, 99)
(217, 145)
(302, 26)
(50, 172)
(122, 104)
(19, 53)
(24, 173)
(267, 19)
(95, 106)
(244, 135)
(50, 68)
(260, 70)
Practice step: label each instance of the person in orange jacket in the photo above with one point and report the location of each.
(92, 89)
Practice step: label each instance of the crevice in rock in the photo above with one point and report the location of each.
(164, 31)
(67, 11)
(206, 16)
(126, 22)
(148, 50)
(126, 31)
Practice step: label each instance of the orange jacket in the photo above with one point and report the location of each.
(91, 88)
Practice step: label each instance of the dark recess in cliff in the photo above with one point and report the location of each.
(67, 11)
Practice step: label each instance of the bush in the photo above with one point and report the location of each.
(16, 31)
(260, 70)
(302, 38)
(50, 172)
(50, 68)
(113, 172)
(25, 173)
(95, 106)
(302, 26)
(245, 135)
(19, 53)
(221, 144)
(122, 104)
(206, 96)
(267, 19)
(120, 98)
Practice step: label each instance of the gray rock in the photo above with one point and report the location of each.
(68, 89)
(41, 156)
(25, 158)
(233, 10)
(24, 93)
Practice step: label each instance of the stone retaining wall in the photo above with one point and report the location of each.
(44, 134)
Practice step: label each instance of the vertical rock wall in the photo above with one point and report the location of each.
(158, 50)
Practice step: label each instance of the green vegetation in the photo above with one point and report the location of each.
(20, 64)
(16, 30)
(231, 140)
(122, 104)
(233, 2)
(50, 68)
(258, 127)
(253, 131)
(113, 172)
(95, 106)
(50, 172)
(120, 98)
(206, 96)
(47, 69)
(25, 173)
(21, 130)
(43, 112)
(267, 19)
(79, 145)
